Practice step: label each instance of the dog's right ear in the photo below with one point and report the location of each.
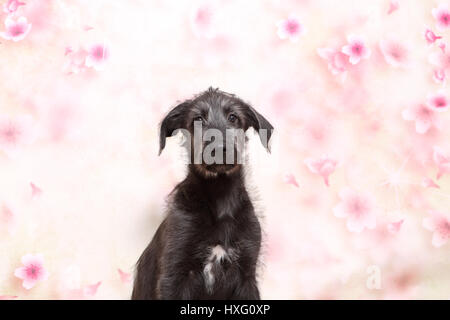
(174, 120)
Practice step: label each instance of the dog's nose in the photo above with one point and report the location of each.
(220, 148)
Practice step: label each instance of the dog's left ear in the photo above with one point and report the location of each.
(261, 126)
(173, 121)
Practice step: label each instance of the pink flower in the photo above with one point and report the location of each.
(291, 29)
(7, 218)
(337, 61)
(440, 59)
(439, 76)
(290, 179)
(439, 224)
(429, 183)
(356, 49)
(12, 5)
(124, 276)
(323, 166)
(358, 209)
(442, 160)
(16, 30)
(32, 271)
(96, 56)
(423, 115)
(442, 47)
(430, 36)
(14, 133)
(442, 16)
(394, 227)
(438, 102)
(394, 53)
(393, 6)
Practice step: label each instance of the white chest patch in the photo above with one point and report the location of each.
(216, 256)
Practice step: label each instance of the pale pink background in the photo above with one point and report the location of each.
(91, 146)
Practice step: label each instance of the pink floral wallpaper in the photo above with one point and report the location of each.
(354, 198)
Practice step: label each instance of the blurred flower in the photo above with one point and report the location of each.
(14, 133)
(91, 290)
(7, 218)
(440, 59)
(12, 5)
(438, 102)
(96, 56)
(323, 166)
(7, 297)
(291, 29)
(16, 30)
(124, 276)
(442, 160)
(430, 36)
(439, 224)
(394, 53)
(442, 16)
(337, 61)
(77, 60)
(356, 49)
(32, 271)
(393, 6)
(202, 19)
(423, 115)
(290, 179)
(442, 47)
(358, 209)
(429, 183)
(394, 227)
(439, 76)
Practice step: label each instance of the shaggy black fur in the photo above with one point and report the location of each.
(209, 207)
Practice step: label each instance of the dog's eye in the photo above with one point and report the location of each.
(199, 118)
(232, 118)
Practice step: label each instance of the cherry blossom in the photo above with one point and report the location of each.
(394, 53)
(91, 290)
(440, 59)
(356, 49)
(442, 47)
(6, 297)
(96, 57)
(393, 6)
(337, 61)
(394, 227)
(16, 30)
(32, 271)
(423, 115)
(429, 183)
(430, 36)
(439, 76)
(442, 160)
(11, 6)
(358, 208)
(442, 16)
(323, 166)
(15, 132)
(290, 28)
(438, 102)
(124, 276)
(439, 224)
(290, 179)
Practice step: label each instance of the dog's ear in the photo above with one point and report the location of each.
(174, 120)
(260, 124)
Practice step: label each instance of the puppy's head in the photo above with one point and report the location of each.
(214, 125)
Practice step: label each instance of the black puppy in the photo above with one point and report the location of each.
(208, 245)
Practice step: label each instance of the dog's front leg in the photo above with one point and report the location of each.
(179, 285)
